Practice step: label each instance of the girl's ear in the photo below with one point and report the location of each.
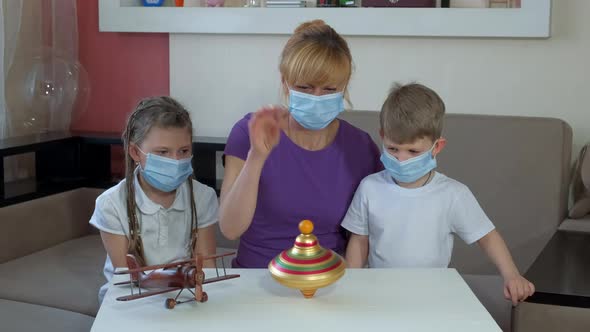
(134, 152)
(440, 145)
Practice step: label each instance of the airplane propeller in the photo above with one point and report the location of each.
(200, 296)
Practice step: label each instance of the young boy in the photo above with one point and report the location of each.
(404, 216)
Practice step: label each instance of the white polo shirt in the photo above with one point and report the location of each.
(414, 227)
(165, 233)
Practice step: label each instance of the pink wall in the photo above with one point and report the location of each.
(122, 68)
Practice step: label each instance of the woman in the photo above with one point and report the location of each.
(283, 166)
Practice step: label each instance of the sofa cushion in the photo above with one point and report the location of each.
(66, 276)
(25, 317)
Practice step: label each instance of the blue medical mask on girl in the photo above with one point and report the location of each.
(315, 112)
(165, 174)
(409, 170)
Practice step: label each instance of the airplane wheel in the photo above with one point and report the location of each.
(170, 303)
(205, 297)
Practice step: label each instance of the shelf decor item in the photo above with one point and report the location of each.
(152, 3)
(399, 3)
(307, 266)
(215, 3)
(327, 3)
(285, 3)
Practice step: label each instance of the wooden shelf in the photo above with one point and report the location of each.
(70, 160)
(530, 21)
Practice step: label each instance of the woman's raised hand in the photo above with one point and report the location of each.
(265, 130)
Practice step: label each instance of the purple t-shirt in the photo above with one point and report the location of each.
(298, 184)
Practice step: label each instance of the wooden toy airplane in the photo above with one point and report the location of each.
(170, 277)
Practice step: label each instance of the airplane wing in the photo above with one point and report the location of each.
(155, 267)
(220, 278)
(123, 283)
(169, 265)
(218, 256)
(146, 294)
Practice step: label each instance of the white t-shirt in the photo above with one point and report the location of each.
(165, 233)
(414, 227)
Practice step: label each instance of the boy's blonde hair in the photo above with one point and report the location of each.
(411, 112)
(163, 112)
(316, 54)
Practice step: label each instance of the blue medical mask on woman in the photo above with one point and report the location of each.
(409, 170)
(315, 112)
(165, 174)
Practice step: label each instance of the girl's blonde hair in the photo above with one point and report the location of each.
(162, 112)
(316, 54)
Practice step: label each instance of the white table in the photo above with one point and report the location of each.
(362, 300)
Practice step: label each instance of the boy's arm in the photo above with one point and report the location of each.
(357, 251)
(516, 287)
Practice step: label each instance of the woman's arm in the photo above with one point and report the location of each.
(239, 191)
(116, 247)
(239, 194)
(206, 244)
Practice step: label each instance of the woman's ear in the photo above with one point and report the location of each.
(284, 86)
(440, 145)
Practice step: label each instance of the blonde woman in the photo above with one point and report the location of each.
(285, 165)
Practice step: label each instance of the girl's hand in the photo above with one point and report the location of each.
(264, 127)
(517, 289)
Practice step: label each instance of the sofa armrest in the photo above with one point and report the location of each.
(576, 225)
(41, 223)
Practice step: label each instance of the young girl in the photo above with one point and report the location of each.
(158, 213)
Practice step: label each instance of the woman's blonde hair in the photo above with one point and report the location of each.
(316, 54)
(161, 112)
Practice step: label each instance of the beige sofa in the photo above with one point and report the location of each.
(51, 262)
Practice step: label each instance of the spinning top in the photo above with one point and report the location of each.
(307, 266)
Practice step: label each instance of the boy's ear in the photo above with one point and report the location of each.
(381, 133)
(440, 145)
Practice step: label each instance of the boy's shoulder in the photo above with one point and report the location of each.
(376, 179)
(440, 181)
(449, 184)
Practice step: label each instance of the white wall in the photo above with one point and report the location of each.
(221, 77)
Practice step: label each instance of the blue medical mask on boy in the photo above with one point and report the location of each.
(315, 112)
(165, 174)
(410, 170)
